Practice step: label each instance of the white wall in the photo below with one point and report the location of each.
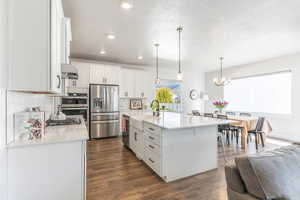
(193, 78)
(285, 126)
(3, 42)
(3, 84)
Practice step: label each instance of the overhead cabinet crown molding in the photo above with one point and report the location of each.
(35, 36)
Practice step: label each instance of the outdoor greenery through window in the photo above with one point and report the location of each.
(168, 93)
(271, 93)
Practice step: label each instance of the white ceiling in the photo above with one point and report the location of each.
(243, 31)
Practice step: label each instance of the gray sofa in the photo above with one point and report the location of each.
(265, 176)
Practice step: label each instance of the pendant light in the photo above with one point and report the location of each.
(179, 74)
(220, 80)
(157, 81)
(126, 4)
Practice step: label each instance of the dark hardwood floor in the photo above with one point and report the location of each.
(114, 173)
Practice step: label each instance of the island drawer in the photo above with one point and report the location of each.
(136, 124)
(152, 137)
(152, 146)
(152, 129)
(152, 160)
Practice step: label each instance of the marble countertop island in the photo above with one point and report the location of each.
(56, 134)
(169, 120)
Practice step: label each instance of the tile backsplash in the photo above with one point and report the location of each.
(125, 104)
(18, 102)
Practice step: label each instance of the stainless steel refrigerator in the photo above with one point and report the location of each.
(104, 111)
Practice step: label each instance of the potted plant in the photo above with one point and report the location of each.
(220, 105)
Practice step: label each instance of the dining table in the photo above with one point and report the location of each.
(248, 123)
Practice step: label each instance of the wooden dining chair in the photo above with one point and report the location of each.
(208, 115)
(258, 132)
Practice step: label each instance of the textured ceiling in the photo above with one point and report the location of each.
(243, 31)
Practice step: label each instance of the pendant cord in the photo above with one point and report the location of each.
(156, 45)
(221, 59)
(179, 29)
(179, 53)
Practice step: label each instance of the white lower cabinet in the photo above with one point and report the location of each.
(136, 142)
(51, 171)
(152, 147)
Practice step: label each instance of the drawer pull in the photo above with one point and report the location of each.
(152, 147)
(151, 160)
(151, 129)
(150, 137)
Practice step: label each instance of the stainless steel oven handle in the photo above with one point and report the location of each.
(104, 122)
(82, 108)
(82, 97)
(104, 114)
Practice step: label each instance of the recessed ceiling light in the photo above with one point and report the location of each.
(102, 52)
(126, 4)
(140, 57)
(111, 36)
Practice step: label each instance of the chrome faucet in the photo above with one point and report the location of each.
(156, 112)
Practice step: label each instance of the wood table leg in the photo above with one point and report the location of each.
(244, 137)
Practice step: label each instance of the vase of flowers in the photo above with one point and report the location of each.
(220, 105)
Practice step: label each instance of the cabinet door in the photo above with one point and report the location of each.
(144, 84)
(127, 83)
(29, 45)
(140, 145)
(59, 175)
(113, 75)
(83, 74)
(56, 41)
(133, 139)
(149, 87)
(97, 74)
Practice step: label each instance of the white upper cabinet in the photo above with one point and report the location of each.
(56, 41)
(104, 74)
(144, 84)
(127, 83)
(66, 38)
(83, 74)
(34, 31)
(136, 83)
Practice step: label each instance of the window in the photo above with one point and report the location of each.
(264, 94)
(174, 90)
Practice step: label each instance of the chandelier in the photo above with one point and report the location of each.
(220, 80)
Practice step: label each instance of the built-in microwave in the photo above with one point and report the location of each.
(75, 100)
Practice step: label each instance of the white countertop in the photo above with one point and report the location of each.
(169, 120)
(56, 134)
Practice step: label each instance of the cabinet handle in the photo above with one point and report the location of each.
(58, 77)
(151, 129)
(135, 138)
(152, 147)
(152, 138)
(151, 160)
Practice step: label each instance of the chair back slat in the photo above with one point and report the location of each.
(245, 114)
(196, 113)
(208, 115)
(260, 124)
(230, 113)
(222, 116)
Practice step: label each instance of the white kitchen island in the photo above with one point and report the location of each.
(174, 145)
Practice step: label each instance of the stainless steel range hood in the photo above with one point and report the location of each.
(69, 71)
